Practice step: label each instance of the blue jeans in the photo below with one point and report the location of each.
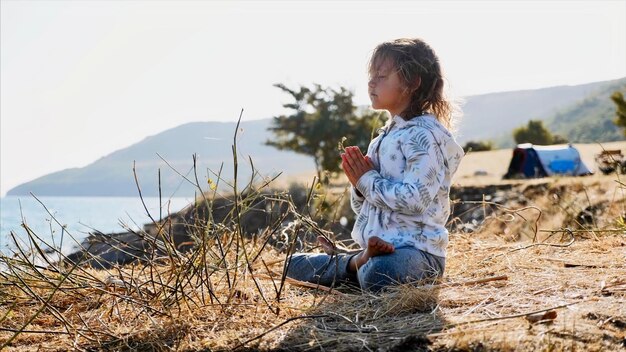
(405, 264)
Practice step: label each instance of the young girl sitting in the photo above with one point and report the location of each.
(401, 187)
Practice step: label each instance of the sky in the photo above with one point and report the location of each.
(81, 79)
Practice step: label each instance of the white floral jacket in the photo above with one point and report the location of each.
(406, 199)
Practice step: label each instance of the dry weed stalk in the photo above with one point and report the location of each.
(230, 291)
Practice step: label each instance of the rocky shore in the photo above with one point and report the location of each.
(257, 214)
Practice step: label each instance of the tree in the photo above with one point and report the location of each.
(558, 139)
(322, 119)
(536, 133)
(620, 110)
(479, 146)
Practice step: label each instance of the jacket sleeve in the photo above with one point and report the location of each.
(424, 173)
(356, 200)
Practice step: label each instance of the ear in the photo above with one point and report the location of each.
(417, 82)
(413, 87)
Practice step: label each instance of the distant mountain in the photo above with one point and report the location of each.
(494, 116)
(112, 175)
(591, 119)
(581, 113)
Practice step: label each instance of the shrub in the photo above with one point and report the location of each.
(479, 146)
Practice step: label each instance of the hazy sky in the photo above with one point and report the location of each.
(81, 79)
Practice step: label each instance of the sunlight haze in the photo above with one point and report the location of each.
(80, 80)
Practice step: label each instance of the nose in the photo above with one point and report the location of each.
(372, 82)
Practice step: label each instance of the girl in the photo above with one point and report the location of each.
(400, 189)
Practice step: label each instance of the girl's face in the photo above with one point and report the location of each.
(386, 89)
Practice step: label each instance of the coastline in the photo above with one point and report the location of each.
(75, 217)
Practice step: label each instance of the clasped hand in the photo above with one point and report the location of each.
(354, 164)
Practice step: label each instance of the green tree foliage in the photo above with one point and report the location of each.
(321, 120)
(479, 146)
(620, 112)
(558, 139)
(536, 133)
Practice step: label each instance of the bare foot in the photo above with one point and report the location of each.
(331, 248)
(328, 247)
(375, 246)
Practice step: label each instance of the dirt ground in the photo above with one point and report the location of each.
(496, 163)
(575, 268)
(533, 265)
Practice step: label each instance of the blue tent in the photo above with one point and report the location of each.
(531, 161)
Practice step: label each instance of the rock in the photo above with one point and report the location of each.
(257, 212)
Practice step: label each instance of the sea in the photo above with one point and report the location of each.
(63, 222)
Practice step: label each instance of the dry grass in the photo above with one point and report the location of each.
(496, 163)
(531, 255)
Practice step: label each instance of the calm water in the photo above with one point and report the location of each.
(79, 215)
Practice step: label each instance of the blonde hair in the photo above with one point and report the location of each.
(418, 67)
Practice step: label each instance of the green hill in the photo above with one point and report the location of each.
(490, 116)
(590, 120)
(494, 116)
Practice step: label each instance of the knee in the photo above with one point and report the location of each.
(377, 274)
(297, 263)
